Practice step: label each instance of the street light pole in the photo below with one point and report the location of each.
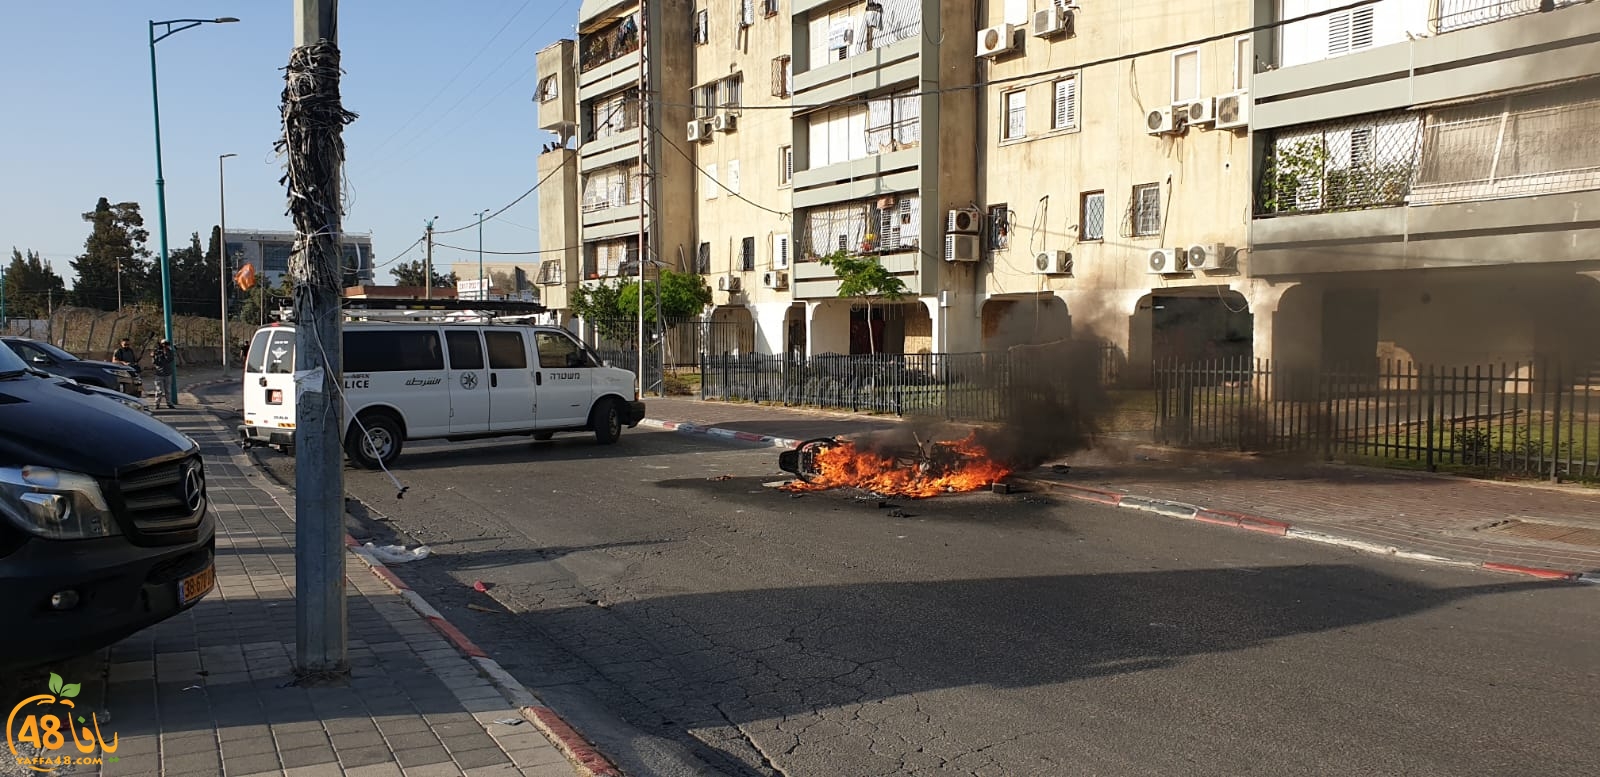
(222, 253)
(482, 289)
(173, 27)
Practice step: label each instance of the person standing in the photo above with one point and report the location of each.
(163, 360)
(125, 355)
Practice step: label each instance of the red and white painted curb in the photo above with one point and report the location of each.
(1183, 511)
(577, 749)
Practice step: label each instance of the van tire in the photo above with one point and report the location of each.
(542, 436)
(386, 436)
(606, 421)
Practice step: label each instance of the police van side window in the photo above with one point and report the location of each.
(466, 352)
(506, 351)
(392, 351)
(559, 352)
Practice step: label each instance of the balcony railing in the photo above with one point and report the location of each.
(1353, 164)
(1461, 14)
(616, 40)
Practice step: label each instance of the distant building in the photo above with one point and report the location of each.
(269, 251)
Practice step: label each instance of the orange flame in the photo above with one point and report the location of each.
(849, 466)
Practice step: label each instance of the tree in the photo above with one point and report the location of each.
(114, 252)
(601, 305)
(866, 279)
(195, 278)
(410, 274)
(32, 286)
(682, 295)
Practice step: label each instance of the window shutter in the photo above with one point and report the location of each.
(702, 263)
(1361, 28)
(780, 251)
(702, 32)
(888, 227)
(747, 13)
(1066, 103)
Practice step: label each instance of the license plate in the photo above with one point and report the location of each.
(197, 585)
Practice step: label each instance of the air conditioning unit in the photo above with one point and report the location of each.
(1165, 261)
(961, 248)
(1053, 263)
(964, 221)
(1211, 257)
(728, 283)
(725, 122)
(1163, 121)
(1051, 22)
(993, 41)
(1200, 111)
(1233, 110)
(698, 130)
(775, 279)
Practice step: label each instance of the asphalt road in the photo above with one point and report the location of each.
(692, 621)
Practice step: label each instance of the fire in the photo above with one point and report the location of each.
(941, 468)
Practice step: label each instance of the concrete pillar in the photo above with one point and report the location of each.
(771, 324)
(1288, 332)
(827, 327)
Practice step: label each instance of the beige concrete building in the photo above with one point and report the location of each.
(1431, 184)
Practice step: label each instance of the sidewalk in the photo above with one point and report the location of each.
(212, 691)
(1519, 528)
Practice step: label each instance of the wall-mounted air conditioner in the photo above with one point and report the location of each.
(775, 279)
(698, 130)
(993, 41)
(1051, 22)
(1211, 257)
(1200, 111)
(1233, 110)
(725, 122)
(1163, 121)
(963, 221)
(728, 283)
(1053, 263)
(961, 248)
(1165, 261)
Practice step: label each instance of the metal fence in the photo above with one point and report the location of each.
(1460, 14)
(1350, 164)
(1522, 418)
(977, 387)
(94, 334)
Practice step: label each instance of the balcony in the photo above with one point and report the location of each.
(1461, 14)
(614, 41)
(1355, 164)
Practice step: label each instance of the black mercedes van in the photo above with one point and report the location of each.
(104, 523)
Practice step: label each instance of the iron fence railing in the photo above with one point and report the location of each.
(1521, 418)
(1460, 14)
(1351, 164)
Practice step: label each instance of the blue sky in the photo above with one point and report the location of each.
(447, 125)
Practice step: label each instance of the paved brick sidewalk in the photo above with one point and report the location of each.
(211, 692)
(1379, 509)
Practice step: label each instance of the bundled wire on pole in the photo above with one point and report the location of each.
(313, 147)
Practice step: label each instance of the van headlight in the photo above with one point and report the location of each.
(55, 504)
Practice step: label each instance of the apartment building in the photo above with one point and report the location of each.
(1430, 184)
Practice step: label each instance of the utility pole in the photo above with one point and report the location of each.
(222, 254)
(427, 270)
(313, 122)
(483, 289)
(644, 182)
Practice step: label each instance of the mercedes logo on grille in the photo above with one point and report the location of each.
(194, 487)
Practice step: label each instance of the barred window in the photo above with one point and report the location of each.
(998, 227)
(1092, 218)
(1145, 209)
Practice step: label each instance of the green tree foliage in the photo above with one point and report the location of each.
(32, 286)
(601, 305)
(116, 240)
(410, 274)
(195, 280)
(682, 295)
(866, 279)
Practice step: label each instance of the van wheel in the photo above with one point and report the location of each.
(542, 436)
(606, 420)
(379, 446)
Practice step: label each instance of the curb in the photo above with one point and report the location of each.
(1181, 511)
(583, 754)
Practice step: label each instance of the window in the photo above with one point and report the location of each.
(747, 12)
(389, 350)
(711, 182)
(733, 176)
(780, 251)
(1064, 108)
(466, 350)
(557, 351)
(612, 115)
(732, 91)
(782, 76)
(1186, 76)
(769, 8)
(1016, 118)
(549, 89)
(1350, 31)
(899, 223)
(999, 227)
(256, 360)
(1145, 209)
(702, 23)
(747, 254)
(1092, 216)
(894, 122)
(707, 100)
(1244, 62)
(785, 165)
(506, 351)
(702, 263)
(275, 256)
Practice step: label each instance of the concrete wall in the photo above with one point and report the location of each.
(558, 222)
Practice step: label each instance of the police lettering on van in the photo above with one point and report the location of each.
(419, 381)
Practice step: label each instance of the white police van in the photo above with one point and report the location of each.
(451, 381)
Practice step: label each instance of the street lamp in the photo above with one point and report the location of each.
(222, 253)
(171, 27)
(482, 289)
